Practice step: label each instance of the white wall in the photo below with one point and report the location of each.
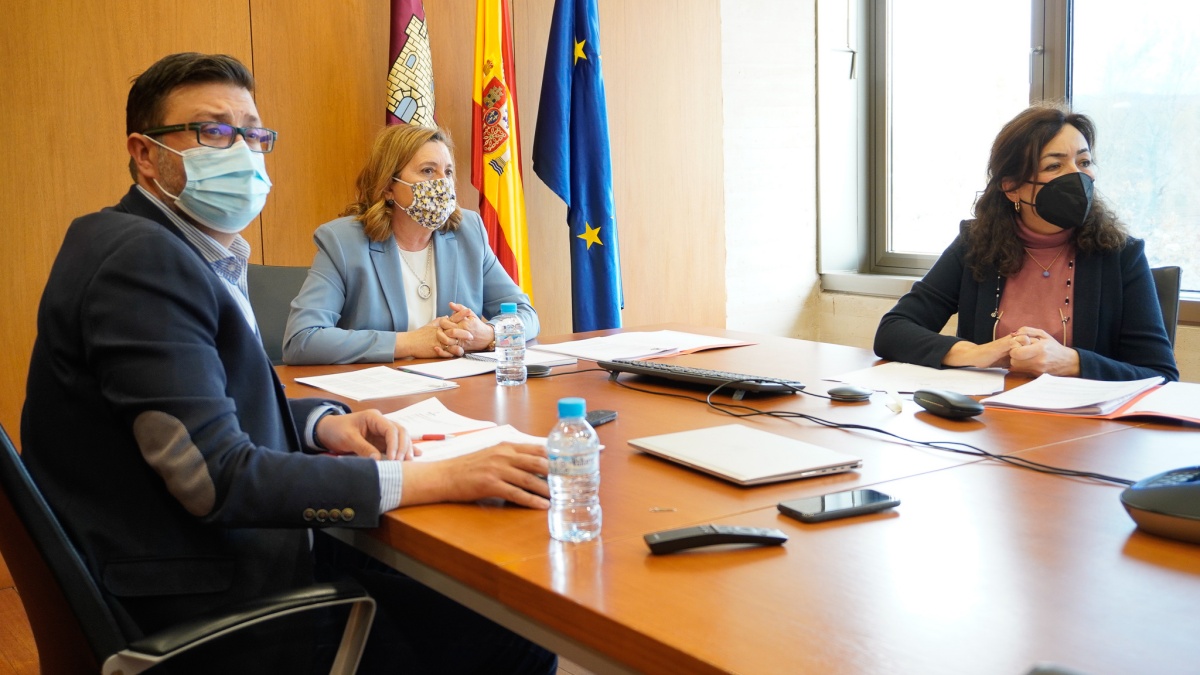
(769, 89)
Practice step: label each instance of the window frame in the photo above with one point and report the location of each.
(853, 249)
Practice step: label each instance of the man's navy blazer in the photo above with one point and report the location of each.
(158, 431)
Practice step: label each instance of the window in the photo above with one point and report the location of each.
(944, 95)
(911, 94)
(1137, 74)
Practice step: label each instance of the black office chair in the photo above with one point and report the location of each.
(272, 289)
(76, 631)
(1167, 282)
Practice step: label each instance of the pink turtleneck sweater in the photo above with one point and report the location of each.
(1033, 299)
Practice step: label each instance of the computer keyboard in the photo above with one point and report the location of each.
(739, 382)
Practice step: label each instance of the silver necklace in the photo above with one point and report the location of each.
(424, 290)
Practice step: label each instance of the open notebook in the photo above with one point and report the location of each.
(745, 455)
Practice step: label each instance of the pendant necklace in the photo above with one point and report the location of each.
(1046, 268)
(424, 290)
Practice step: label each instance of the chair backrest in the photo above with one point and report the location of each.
(272, 289)
(73, 627)
(1167, 282)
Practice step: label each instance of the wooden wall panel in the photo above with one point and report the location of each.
(662, 67)
(67, 69)
(321, 71)
(662, 71)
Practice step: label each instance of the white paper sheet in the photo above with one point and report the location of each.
(432, 451)
(636, 345)
(450, 369)
(377, 382)
(906, 377)
(431, 416)
(533, 357)
(479, 363)
(1179, 400)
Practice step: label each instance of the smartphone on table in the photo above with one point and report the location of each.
(837, 505)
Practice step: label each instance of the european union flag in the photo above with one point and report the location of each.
(570, 154)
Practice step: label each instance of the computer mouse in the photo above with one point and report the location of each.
(946, 403)
(537, 370)
(1167, 504)
(849, 392)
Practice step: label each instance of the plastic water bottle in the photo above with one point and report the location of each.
(574, 452)
(510, 346)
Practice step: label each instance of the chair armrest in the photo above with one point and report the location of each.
(152, 649)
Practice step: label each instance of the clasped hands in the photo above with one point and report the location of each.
(446, 337)
(1025, 350)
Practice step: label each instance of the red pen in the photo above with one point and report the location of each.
(436, 437)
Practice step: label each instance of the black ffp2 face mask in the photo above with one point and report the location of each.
(1065, 201)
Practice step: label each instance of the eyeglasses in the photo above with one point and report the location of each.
(221, 135)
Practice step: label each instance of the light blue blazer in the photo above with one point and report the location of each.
(353, 302)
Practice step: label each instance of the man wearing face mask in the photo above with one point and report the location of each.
(157, 429)
(404, 272)
(1044, 279)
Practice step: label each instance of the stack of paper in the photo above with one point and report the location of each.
(1071, 395)
(907, 377)
(637, 345)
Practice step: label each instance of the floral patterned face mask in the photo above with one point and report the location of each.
(433, 201)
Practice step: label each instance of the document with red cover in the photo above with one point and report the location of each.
(1079, 397)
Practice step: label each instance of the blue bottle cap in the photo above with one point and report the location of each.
(508, 308)
(571, 407)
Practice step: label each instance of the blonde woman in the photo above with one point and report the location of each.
(404, 272)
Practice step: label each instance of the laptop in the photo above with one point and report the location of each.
(745, 455)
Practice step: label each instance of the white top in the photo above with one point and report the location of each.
(420, 311)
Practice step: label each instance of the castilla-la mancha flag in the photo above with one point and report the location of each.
(495, 141)
(410, 73)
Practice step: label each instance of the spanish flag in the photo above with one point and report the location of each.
(495, 141)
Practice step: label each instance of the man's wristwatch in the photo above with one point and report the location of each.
(492, 345)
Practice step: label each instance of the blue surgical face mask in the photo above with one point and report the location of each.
(226, 187)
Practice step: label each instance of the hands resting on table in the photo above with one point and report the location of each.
(1026, 350)
(510, 471)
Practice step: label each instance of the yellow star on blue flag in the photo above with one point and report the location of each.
(591, 235)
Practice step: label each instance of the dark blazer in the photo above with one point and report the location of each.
(1117, 324)
(158, 431)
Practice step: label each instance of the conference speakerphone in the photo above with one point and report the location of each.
(739, 383)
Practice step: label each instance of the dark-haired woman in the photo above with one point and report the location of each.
(1045, 279)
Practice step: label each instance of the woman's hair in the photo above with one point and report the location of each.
(393, 149)
(992, 239)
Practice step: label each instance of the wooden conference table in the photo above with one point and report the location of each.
(984, 568)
